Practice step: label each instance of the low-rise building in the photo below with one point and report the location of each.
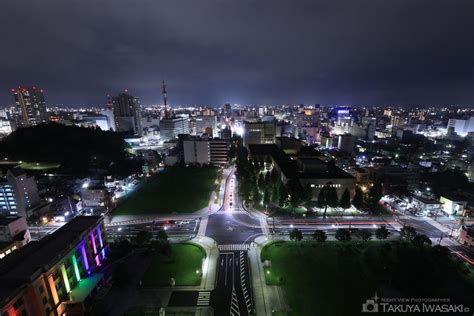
(14, 234)
(466, 235)
(452, 204)
(56, 275)
(311, 172)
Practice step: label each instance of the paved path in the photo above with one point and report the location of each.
(267, 298)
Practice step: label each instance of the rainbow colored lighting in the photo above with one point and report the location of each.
(84, 257)
(76, 268)
(94, 246)
(101, 242)
(65, 279)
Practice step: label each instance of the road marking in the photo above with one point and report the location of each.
(234, 306)
(203, 298)
(248, 301)
(202, 226)
(234, 247)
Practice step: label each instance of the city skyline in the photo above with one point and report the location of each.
(215, 53)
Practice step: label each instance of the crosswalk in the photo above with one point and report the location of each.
(234, 247)
(234, 306)
(203, 298)
(243, 282)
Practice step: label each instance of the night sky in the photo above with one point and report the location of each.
(240, 51)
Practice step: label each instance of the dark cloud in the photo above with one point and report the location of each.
(246, 51)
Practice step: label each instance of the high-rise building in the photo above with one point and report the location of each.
(31, 105)
(8, 204)
(227, 110)
(127, 113)
(259, 133)
(25, 190)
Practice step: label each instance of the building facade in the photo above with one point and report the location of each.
(31, 104)
(259, 133)
(25, 191)
(56, 275)
(127, 113)
(170, 128)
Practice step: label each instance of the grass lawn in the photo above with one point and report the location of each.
(39, 165)
(175, 190)
(182, 265)
(335, 278)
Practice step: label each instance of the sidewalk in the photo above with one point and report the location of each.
(267, 298)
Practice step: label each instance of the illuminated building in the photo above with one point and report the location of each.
(31, 104)
(14, 234)
(56, 275)
(170, 128)
(259, 133)
(25, 189)
(127, 113)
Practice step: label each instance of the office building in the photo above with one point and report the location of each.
(8, 204)
(203, 150)
(56, 275)
(345, 143)
(170, 128)
(25, 191)
(462, 127)
(31, 105)
(196, 151)
(206, 124)
(219, 151)
(227, 110)
(127, 113)
(259, 133)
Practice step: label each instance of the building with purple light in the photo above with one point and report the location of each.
(56, 275)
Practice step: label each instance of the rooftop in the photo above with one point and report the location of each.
(24, 265)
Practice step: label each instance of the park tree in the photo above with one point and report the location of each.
(161, 234)
(421, 240)
(376, 192)
(268, 162)
(327, 196)
(332, 198)
(308, 198)
(267, 197)
(382, 232)
(296, 192)
(365, 234)
(283, 195)
(345, 201)
(343, 234)
(358, 200)
(261, 182)
(275, 193)
(408, 233)
(256, 196)
(274, 175)
(296, 234)
(143, 237)
(320, 235)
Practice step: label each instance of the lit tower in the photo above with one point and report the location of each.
(165, 99)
